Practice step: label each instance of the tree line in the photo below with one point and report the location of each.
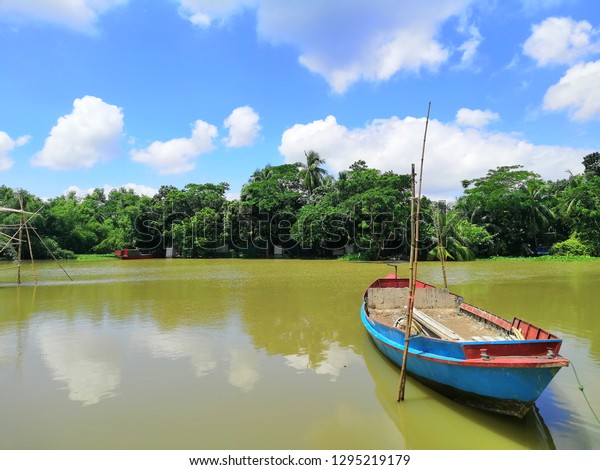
(299, 210)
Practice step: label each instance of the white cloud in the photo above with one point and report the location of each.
(452, 153)
(577, 91)
(90, 134)
(565, 41)
(362, 41)
(534, 6)
(560, 41)
(177, 155)
(7, 145)
(232, 195)
(469, 47)
(79, 14)
(204, 12)
(475, 117)
(243, 127)
(139, 189)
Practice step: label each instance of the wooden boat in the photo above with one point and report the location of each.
(134, 253)
(464, 352)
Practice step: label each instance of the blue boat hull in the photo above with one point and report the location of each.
(503, 385)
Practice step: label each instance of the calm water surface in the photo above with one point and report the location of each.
(266, 354)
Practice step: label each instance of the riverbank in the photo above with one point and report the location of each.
(110, 256)
(546, 258)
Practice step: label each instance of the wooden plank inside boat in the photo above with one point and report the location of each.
(436, 310)
(436, 327)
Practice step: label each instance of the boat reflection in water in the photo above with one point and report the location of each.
(430, 421)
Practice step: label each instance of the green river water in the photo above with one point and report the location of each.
(267, 354)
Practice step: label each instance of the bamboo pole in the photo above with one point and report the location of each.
(31, 255)
(19, 248)
(24, 224)
(441, 248)
(412, 222)
(413, 261)
(17, 238)
(408, 323)
(418, 213)
(51, 254)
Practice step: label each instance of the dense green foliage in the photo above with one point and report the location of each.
(298, 210)
(570, 247)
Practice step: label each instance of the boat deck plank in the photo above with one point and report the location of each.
(447, 324)
(436, 327)
(463, 324)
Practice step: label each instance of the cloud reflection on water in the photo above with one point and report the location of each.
(178, 343)
(336, 358)
(83, 358)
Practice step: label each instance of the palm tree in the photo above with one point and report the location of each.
(570, 196)
(262, 174)
(447, 241)
(312, 174)
(537, 214)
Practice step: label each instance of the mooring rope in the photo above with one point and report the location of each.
(584, 395)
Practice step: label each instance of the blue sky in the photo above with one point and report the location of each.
(137, 93)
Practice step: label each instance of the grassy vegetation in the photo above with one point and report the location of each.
(548, 258)
(354, 257)
(95, 257)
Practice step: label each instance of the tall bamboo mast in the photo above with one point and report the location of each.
(409, 314)
(414, 223)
